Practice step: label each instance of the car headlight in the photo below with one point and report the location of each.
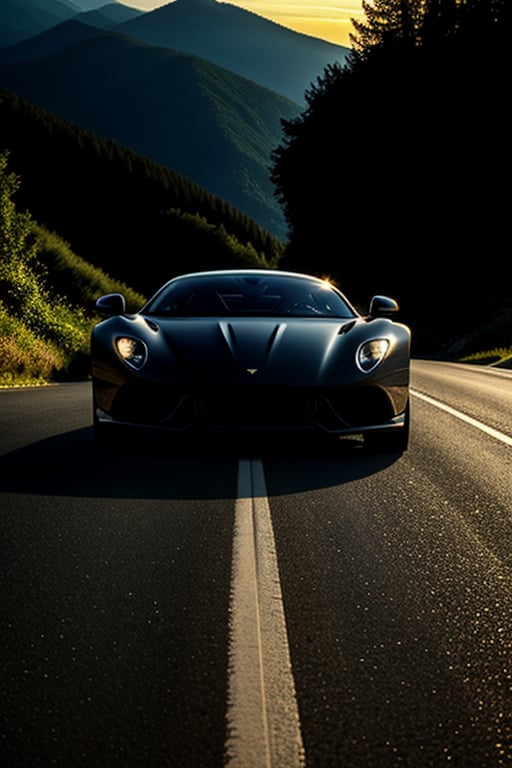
(132, 351)
(371, 353)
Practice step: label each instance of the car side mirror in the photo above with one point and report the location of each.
(111, 304)
(383, 306)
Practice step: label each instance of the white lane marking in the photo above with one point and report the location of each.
(263, 718)
(462, 416)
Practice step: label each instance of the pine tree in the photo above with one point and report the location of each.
(439, 23)
(390, 23)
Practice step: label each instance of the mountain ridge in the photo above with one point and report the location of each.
(139, 221)
(244, 42)
(281, 59)
(216, 129)
(107, 16)
(208, 123)
(21, 19)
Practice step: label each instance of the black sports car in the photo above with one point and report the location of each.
(252, 350)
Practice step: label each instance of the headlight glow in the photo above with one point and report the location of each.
(132, 351)
(371, 353)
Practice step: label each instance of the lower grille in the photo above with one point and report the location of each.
(330, 410)
(255, 409)
(146, 403)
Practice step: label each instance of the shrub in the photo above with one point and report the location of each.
(25, 359)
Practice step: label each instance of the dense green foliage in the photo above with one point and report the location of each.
(47, 292)
(47, 296)
(39, 333)
(392, 180)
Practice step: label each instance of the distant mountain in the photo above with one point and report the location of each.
(278, 58)
(20, 19)
(108, 16)
(46, 43)
(211, 125)
(274, 56)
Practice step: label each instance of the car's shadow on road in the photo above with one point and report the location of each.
(71, 464)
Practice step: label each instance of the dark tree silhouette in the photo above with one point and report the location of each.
(439, 23)
(389, 23)
(392, 178)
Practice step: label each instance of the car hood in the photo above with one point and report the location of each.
(263, 350)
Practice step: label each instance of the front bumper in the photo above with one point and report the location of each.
(338, 411)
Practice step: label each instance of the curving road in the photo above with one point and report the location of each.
(259, 606)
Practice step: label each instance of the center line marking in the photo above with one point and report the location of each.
(263, 718)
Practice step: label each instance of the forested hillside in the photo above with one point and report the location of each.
(118, 210)
(213, 126)
(80, 217)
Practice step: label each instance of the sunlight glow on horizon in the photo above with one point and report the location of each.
(328, 20)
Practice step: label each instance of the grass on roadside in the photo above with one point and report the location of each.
(499, 356)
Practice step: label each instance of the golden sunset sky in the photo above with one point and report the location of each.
(327, 19)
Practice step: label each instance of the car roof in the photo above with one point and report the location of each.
(248, 272)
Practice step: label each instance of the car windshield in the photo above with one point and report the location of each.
(248, 295)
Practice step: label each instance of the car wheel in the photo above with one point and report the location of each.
(394, 441)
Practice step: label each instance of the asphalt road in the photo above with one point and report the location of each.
(254, 605)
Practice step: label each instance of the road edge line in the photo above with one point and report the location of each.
(462, 416)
